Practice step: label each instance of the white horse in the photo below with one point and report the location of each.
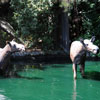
(78, 51)
(5, 54)
(16, 46)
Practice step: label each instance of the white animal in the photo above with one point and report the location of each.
(78, 51)
(6, 52)
(16, 46)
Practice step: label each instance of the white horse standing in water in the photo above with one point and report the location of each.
(78, 51)
(5, 54)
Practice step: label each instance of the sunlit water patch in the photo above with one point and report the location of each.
(55, 82)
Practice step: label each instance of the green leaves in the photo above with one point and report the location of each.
(34, 18)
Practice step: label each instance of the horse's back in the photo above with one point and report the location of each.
(75, 48)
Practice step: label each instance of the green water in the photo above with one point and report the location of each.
(55, 82)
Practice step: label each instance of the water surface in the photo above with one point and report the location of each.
(55, 82)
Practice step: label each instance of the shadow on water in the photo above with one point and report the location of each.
(23, 77)
(29, 78)
(58, 66)
(13, 73)
(93, 75)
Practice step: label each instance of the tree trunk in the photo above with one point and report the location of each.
(65, 32)
(5, 26)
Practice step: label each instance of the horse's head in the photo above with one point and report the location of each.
(90, 46)
(16, 47)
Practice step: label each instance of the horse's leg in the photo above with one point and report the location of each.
(82, 68)
(75, 70)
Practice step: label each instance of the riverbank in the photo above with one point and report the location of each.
(38, 56)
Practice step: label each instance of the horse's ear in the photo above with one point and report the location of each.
(13, 39)
(92, 39)
(81, 40)
(8, 42)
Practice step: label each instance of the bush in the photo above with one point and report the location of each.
(34, 21)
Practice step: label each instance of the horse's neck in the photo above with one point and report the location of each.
(5, 56)
(7, 48)
(5, 51)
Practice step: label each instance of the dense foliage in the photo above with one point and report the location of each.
(88, 12)
(34, 21)
(91, 19)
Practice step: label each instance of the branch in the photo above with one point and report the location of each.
(5, 26)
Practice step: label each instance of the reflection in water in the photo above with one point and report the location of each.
(2, 97)
(74, 90)
(75, 95)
